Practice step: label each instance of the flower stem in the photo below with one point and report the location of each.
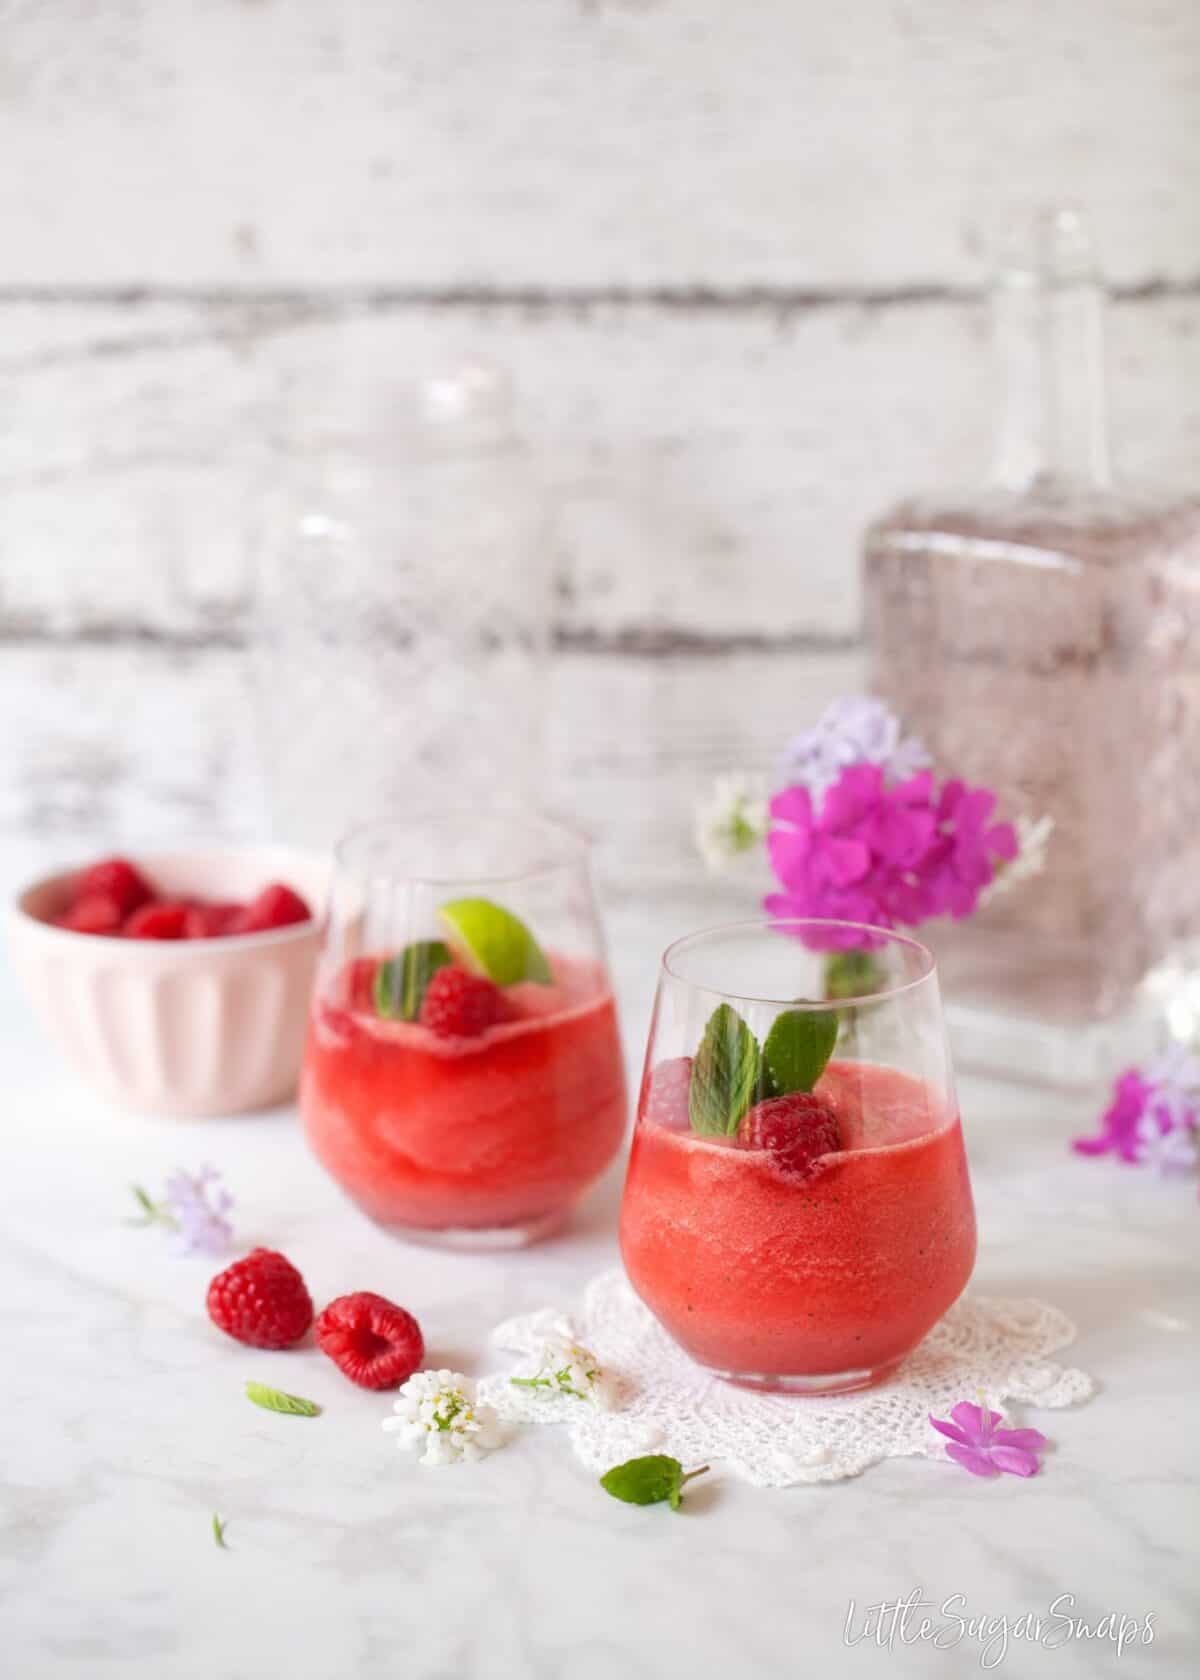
(852, 974)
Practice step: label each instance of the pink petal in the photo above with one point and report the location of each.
(917, 790)
(944, 1427)
(975, 808)
(1002, 839)
(978, 1463)
(1094, 1145)
(1013, 1460)
(842, 862)
(793, 805)
(789, 852)
(949, 802)
(857, 792)
(1028, 1440)
(974, 1421)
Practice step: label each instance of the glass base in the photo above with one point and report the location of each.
(831, 1382)
(1013, 1012)
(484, 1239)
(1033, 1050)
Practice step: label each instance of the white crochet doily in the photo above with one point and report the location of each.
(662, 1402)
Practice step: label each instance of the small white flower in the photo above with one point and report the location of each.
(565, 1367)
(437, 1409)
(732, 820)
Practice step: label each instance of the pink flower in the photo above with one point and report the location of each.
(886, 855)
(984, 1450)
(1153, 1119)
(960, 865)
(1119, 1123)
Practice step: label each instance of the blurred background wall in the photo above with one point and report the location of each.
(732, 256)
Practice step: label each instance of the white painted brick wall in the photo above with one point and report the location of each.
(730, 255)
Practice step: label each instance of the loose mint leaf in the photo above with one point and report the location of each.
(648, 1481)
(725, 1074)
(275, 1400)
(219, 1532)
(797, 1048)
(400, 982)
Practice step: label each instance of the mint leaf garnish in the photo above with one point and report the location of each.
(275, 1400)
(219, 1532)
(400, 983)
(725, 1074)
(648, 1481)
(797, 1048)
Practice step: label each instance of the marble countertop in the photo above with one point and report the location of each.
(126, 1428)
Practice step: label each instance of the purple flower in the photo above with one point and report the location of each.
(1153, 1118)
(1175, 1076)
(1163, 1146)
(857, 729)
(193, 1209)
(199, 1211)
(983, 1449)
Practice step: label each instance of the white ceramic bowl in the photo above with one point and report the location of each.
(201, 1026)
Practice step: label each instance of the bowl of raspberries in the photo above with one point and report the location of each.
(177, 983)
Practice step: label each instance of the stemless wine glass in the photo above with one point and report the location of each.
(463, 1079)
(797, 1213)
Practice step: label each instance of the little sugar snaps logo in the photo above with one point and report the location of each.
(914, 1620)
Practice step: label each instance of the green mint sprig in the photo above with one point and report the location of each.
(218, 1529)
(797, 1048)
(402, 981)
(730, 1072)
(275, 1400)
(725, 1074)
(649, 1481)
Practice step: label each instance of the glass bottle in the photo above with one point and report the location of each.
(403, 601)
(1043, 638)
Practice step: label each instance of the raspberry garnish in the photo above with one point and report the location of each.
(460, 1005)
(95, 913)
(261, 1301)
(276, 906)
(665, 1098)
(371, 1341)
(164, 920)
(796, 1130)
(117, 879)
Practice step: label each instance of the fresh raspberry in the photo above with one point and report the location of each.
(796, 1130)
(375, 1344)
(210, 921)
(460, 1005)
(665, 1095)
(276, 906)
(261, 1301)
(95, 913)
(163, 920)
(117, 879)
